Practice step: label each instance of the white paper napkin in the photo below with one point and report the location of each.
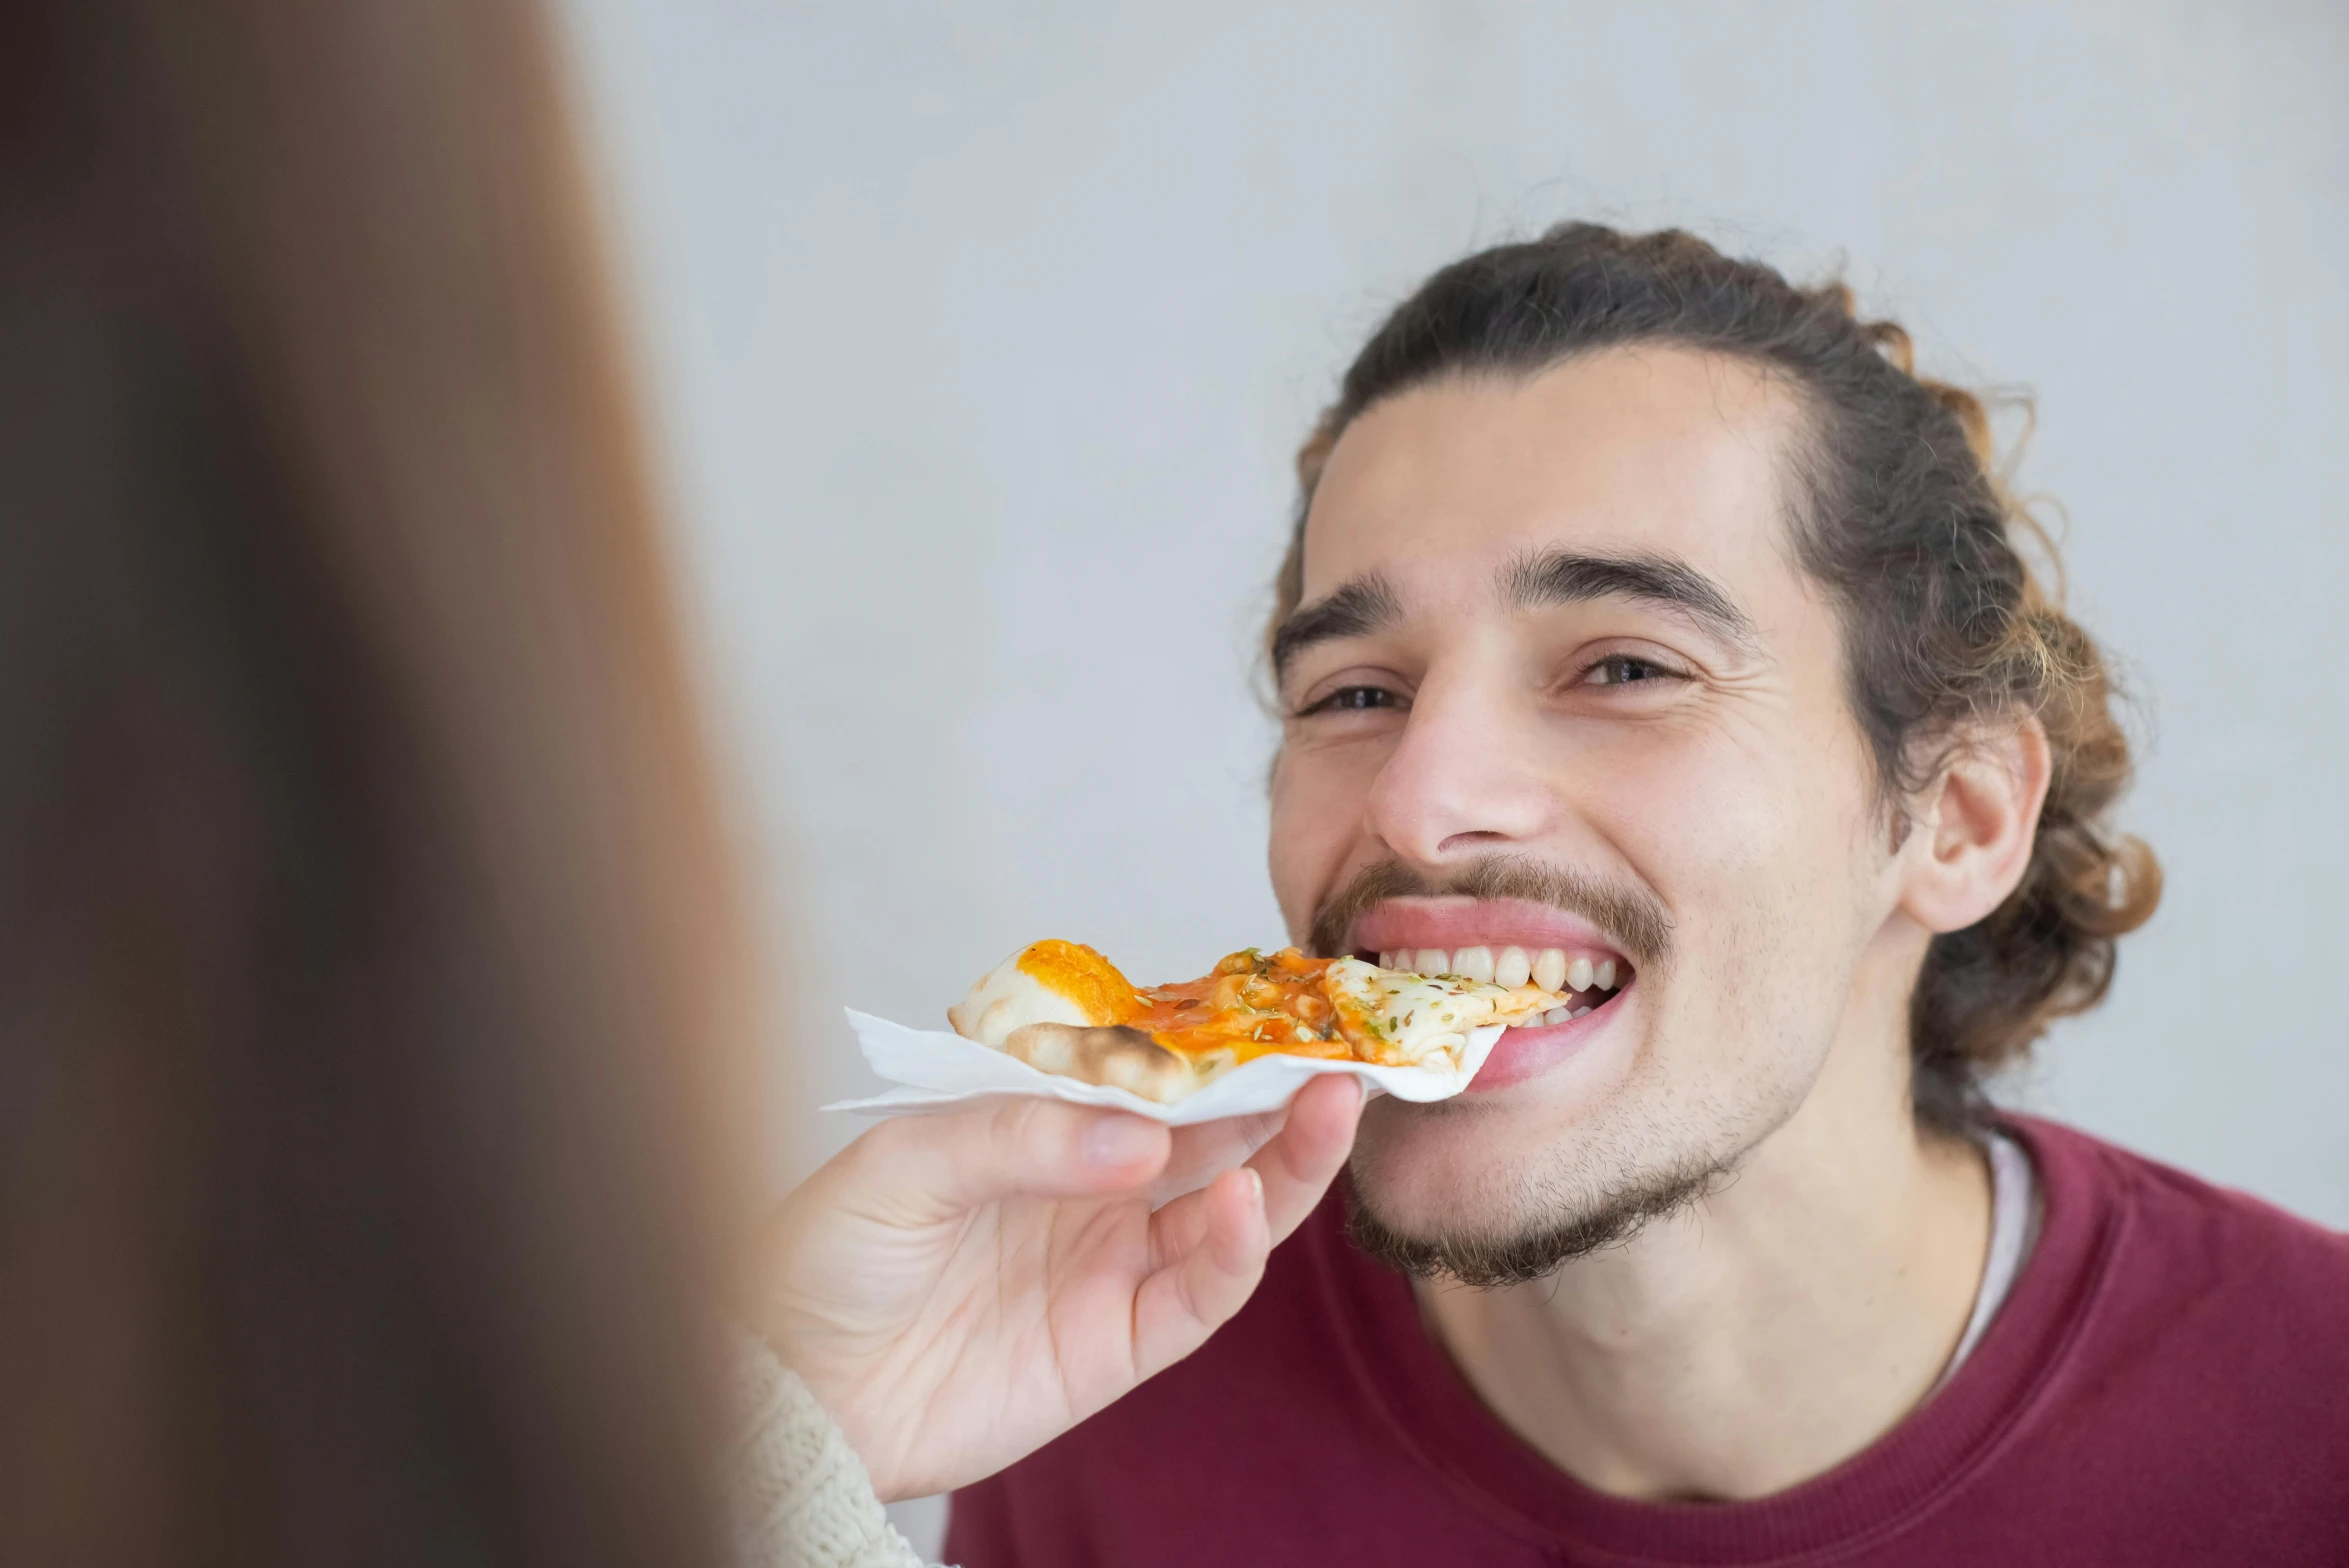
(934, 1067)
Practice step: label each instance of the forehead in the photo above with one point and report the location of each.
(1653, 449)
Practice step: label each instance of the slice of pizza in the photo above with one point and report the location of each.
(1062, 1007)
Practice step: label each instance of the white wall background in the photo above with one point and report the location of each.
(979, 336)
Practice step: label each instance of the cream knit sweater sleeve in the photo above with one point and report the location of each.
(801, 1496)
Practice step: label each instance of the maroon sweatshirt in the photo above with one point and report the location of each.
(2167, 1383)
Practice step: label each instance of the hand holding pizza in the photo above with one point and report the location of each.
(958, 1289)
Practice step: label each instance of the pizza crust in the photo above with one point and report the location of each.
(1011, 998)
(1115, 1057)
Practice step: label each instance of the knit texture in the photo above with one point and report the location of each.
(801, 1495)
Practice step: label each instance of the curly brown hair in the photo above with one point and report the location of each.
(1907, 522)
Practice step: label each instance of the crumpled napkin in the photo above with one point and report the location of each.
(934, 1067)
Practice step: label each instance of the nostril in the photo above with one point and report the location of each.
(1478, 839)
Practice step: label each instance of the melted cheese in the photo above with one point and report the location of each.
(1403, 1019)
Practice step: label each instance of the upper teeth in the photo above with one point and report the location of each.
(1549, 968)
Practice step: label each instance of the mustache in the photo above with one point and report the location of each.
(1633, 918)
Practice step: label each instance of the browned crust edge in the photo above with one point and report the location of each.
(1116, 1057)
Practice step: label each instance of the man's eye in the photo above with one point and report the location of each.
(1351, 699)
(1622, 669)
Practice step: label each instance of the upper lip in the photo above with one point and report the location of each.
(1456, 922)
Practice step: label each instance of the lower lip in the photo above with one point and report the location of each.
(1528, 1053)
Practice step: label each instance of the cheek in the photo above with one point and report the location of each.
(1318, 808)
(1750, 847)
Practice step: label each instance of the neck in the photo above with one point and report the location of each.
(1761, 1339)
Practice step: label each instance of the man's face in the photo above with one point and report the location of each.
(1554, 644)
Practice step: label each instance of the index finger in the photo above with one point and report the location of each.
(933, 1168)
(1205, 1150)
(1298, 1166)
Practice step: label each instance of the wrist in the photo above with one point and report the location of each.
(800, 1491)
(830, 1397)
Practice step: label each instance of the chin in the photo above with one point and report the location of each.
(1466, 1166)
(1466, 1196)
(1546, 1153)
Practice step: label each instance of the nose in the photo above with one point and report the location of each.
(1462, 782)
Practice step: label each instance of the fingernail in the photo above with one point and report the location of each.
(1256, 1185)
(1119, 1140)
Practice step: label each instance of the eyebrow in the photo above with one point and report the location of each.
(1555, 577)
(1369, 604)
(1354, 609)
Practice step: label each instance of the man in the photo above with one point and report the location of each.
(1648, 620)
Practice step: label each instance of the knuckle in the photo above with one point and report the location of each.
(886, 1146)
(1033, 1127)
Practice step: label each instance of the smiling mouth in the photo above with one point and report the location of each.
(1590, 977)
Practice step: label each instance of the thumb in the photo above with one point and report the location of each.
(944, 1164)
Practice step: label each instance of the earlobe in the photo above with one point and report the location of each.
(1977, 824)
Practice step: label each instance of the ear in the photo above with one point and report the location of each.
(1972, 830)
